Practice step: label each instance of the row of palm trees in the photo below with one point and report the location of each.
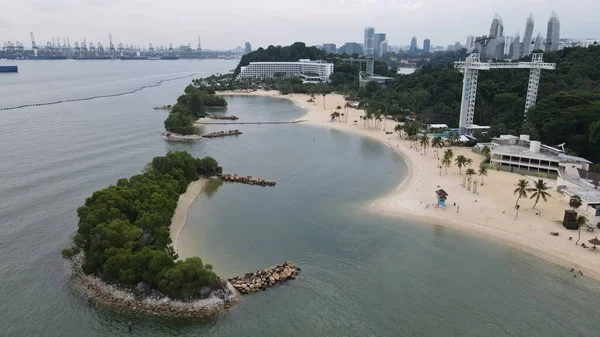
(461, 161)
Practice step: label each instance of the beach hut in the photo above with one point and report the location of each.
(441, 198)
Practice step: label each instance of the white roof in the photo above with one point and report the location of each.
(438, 126)
(474, 127)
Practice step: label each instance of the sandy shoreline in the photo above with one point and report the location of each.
(183, 205)
(489, 214)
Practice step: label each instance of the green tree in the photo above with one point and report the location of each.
(437, 143)
(522, 190)
(580, 221)
(482, 172)
(470, 172)
(424, 142)
(540, 191)
(460, 161)
(446, 162)
(486, 151)
(575, 202)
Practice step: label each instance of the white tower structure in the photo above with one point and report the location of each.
(471, 67)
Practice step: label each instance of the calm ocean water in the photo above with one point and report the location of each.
(363, 275)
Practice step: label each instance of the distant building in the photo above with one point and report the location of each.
(369, 45)
(495, 48)
(351, 48)
(457, 46)
(383, 48)
(426, 46)
(313, 70)
(413, 44)
(377, 39)
(508, 40)
(515, 48)
(248, 48)
(553, 33)
(330, 48)
(527, 38)
(470, 43)
(539, 42)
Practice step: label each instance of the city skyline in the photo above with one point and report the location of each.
(337, 21)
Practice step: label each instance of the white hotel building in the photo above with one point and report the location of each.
(309, 71)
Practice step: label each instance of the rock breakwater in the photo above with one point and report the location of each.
(231, 118)
(142, 300)
(223, 134)
(266, 278)
(247, 180)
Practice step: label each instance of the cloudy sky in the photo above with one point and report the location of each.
(224, 24)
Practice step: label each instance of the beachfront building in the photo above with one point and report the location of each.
(522, 154)
(320, 69)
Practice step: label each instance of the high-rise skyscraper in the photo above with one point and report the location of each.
(553, 34)
(539, 42)
(470, 43)
(495, 48)
(413, 44)
(383, 45)
(330, 48)
(377, 39)
(369, 45)
(515, 47)
(426, 46)
(248, 48)
(527, 41)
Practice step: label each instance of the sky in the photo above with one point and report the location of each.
(225, 24)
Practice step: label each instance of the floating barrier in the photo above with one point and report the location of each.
(231, 118)
(223, 134)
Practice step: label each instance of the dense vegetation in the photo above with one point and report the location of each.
(567, 109)
(124, 229)
(191, 106)
(344, 78)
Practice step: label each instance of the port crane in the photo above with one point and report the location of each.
(471, 67)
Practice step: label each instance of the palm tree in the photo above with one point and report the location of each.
(453, 138)
(324, 94)
(398, 129)
(460, 161)
(437, 143)
(486, 151)
(449, 153)
(446, 161)
(482, 172)
(468, 162)
(540, 191)
(424, 142)
(580, 221)
(521, 190)
(575, 202)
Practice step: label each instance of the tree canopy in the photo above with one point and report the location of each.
(124, 229)
(190, 106)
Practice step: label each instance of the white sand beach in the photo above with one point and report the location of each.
(183, 206)
(490, 214)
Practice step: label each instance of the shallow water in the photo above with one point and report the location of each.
(362, 274)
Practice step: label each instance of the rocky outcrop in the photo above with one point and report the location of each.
(231, 118)
(142, 299)
(177, 137)
(247, 180)
(266, 278)
(223, 134)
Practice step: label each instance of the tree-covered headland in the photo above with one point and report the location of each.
(191, 106)
(124, 232)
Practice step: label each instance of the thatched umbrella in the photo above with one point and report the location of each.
(594, 241)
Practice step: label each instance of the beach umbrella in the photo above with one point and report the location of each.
(594, 241)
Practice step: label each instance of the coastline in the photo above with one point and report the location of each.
(183, 206)
(488, 215)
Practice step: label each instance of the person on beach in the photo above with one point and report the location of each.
(457, 209)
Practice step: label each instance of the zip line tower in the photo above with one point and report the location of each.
(471, 67)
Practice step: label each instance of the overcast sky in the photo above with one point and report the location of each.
(224, 24)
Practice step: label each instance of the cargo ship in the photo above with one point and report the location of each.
(9, 69)
(170, 57)
(134, 57)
